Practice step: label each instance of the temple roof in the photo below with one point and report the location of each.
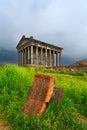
(31, 39)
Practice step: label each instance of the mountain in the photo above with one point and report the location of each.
(67, 61)
(8, 56)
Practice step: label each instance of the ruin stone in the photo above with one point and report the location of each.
(57, 94)
(81, 63)
(40, 94)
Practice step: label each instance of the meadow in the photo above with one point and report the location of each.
(70, 114)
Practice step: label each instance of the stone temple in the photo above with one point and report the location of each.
(32, 52)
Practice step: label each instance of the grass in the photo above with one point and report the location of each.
(70, 114)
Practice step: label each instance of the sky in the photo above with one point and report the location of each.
(58, 22)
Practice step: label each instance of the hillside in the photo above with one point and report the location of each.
(70, 114)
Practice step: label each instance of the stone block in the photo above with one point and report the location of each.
(34, 107)
(40, 94)
(58, 94)
(42, 88)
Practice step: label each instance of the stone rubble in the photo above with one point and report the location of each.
(41, 92)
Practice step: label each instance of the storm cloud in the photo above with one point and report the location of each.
(59, 22)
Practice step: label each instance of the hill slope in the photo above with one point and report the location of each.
(71, 114)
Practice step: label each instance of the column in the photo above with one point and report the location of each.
(46, 56)
(49, 57)
(60, 59)
(36, 55)
(28, 55)
(31, 54)
(18, 57)
(25, 56)
(22, 57)
(56, 59)
(53, 58)
(41, 56)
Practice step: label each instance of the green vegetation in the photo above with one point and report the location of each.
(70, 114)
(14, 88)
(69, 72)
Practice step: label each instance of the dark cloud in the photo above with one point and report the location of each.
(60, 22)
(8, 56)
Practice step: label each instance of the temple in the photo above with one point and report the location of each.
(37, 53)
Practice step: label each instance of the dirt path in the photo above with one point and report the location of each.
(3, 124)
